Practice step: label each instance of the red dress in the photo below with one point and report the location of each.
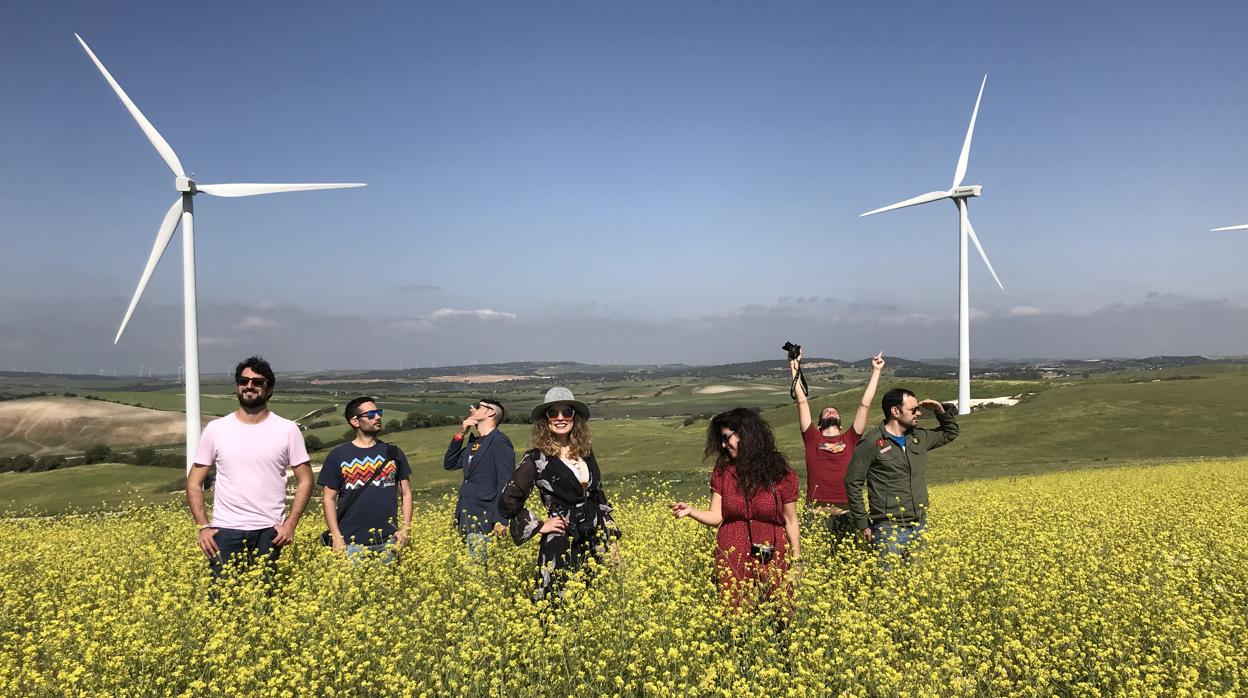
(765, 522)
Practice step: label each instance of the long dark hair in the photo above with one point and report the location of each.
(759, 463)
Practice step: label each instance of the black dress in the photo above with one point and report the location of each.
(590, 526)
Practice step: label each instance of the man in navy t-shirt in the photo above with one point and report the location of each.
(369, 523)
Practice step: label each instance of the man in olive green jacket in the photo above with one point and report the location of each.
(891, 460)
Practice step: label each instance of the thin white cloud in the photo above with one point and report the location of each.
(1024, 311)
(483, 314)
(254, 322)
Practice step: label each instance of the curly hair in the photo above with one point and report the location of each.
(579, 441)
(759, 463)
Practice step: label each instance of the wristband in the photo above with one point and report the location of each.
(201, 528)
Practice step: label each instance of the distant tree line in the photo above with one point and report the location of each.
(99, 453)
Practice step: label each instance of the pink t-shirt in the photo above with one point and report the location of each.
(251, 462)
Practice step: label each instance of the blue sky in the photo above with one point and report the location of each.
(629, 182)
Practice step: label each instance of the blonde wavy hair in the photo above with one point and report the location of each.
(579, 441)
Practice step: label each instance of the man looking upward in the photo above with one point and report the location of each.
(829, 449)
(489, 462)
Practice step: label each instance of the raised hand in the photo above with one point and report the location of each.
(877, 362)
(933, 405)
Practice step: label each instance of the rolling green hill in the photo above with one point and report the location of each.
(1134, 417)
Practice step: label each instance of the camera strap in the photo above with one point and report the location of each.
(749, 517)
(799, 377)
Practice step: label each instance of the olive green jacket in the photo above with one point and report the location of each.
(896, 480)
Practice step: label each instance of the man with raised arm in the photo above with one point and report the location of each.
(489, 462)
(829, 449)
(252, 448)
(892, 462)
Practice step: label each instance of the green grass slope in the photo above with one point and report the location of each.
(87, 487)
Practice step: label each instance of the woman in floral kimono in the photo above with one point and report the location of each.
(577, 523)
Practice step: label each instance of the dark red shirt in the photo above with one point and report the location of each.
(827, 458)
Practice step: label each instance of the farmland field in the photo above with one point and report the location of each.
(1115, 581)
(64, 425)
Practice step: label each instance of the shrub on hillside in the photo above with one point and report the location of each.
(46, 463)
(144, 456)
(17, 464)
(99, 453)
(312, 442)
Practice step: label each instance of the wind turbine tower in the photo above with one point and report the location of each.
(959, 194)
(182, 211)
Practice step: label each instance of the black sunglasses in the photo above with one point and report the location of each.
(258, 381)
(557, 412)
(371, 414)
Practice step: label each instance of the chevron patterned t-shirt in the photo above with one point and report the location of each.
(371, 519)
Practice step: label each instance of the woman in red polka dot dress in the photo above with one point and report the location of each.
(753, 504)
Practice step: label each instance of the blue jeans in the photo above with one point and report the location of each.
(358, 553)
(897, 540)
(240, 549)
(478, 546)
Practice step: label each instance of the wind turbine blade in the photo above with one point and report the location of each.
(966, 145)
(163, 236)
(1229, 227)
(162, 146)
(253, 189)
(975, 239)
(920, 199)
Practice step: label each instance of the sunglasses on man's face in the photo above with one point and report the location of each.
(258, 381)
(371, 414)
(560, 412)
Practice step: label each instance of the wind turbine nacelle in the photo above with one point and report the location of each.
(964, 192)
(184, 184)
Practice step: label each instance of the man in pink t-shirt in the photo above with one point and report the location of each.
(829, 449)
(252, 448)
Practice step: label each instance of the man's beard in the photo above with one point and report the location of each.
(827, 422)
(252, 403)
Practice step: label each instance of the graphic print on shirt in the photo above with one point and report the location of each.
(360, 470)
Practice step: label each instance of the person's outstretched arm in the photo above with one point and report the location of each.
(712, 517)
(868, 396)
(803, 404)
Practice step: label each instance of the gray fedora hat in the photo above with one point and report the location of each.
(555, 396)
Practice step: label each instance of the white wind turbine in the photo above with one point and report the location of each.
(959, 194)
(182, 211)
(1229, 227)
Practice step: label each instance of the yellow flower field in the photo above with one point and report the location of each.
(1089, 583)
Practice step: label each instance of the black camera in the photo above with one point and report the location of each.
(762, 552)
(793, 349)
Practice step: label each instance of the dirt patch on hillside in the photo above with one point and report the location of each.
(477, 378)
(51, 425)
(720, 389)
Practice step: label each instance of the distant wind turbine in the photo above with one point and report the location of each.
(182, 211)
(959, 194)
(1229, 227)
